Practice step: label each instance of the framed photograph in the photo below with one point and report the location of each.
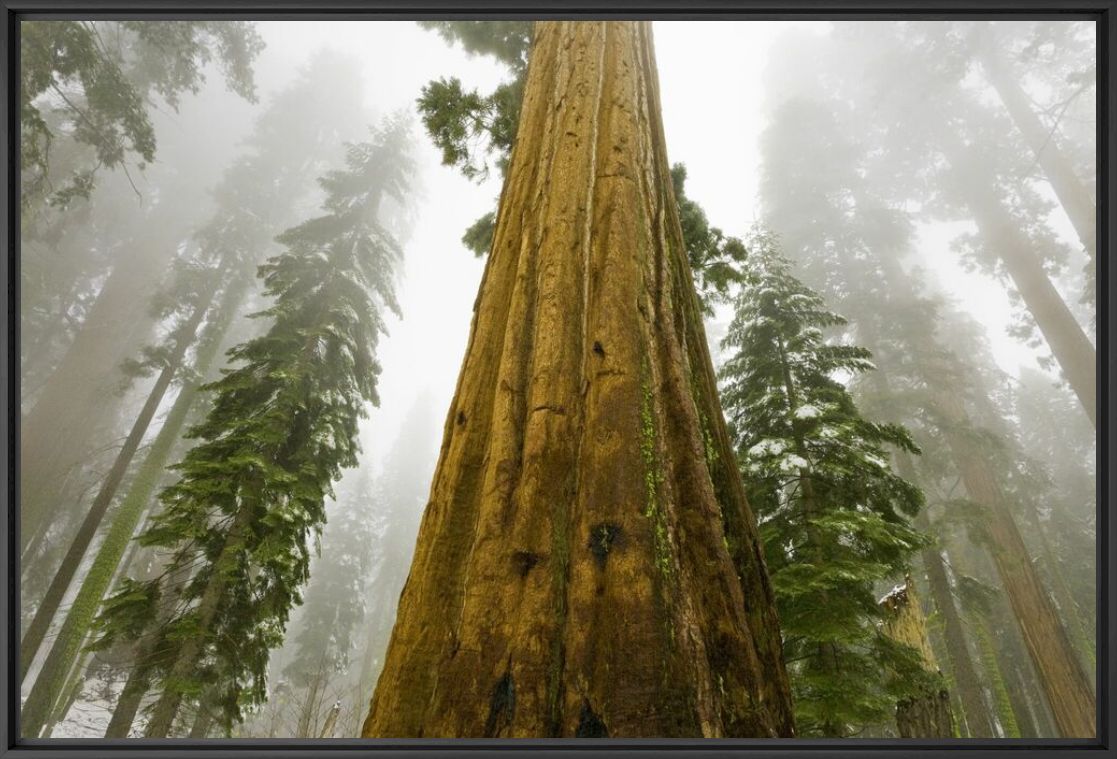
(428, 378)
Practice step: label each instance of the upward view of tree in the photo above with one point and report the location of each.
(475, 134)
(283, 425)
(590, 532)
(796, 438)
(833, 516)
(209, 285)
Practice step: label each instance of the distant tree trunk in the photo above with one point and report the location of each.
(1073, 195)
(927, 715)
(310, 706)
(37, 630)
(98, 578)
(1021, 683)
(70, 694)
(587, 564)
(975, 713)
(1082, 634)
(135, 688)
(186, 657)
(1065, 685)
(331, 721)
(202, 722)
(78, 401)
(1071, 347)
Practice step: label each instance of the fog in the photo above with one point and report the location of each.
(112, 278)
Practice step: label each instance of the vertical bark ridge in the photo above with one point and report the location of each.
(572, 575)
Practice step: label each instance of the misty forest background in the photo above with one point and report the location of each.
(250, 254)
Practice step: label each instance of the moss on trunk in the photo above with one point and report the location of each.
(586, 432)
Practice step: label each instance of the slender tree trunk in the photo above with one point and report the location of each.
(1071, 347)
(1082, 635)
(186, 659)
(331, 721)
(572, 575)
(70, 694)
(202, 722)
(128, 705)
(1020, 680)
(975, 714)
(310, 707)
(48, 607)
(77, 402)
(1066, 686)
(927, 715)
(97, 581)
(1073, 195)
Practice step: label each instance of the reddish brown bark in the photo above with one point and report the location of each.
(587, 564)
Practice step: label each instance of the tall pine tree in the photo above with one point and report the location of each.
(833, 517)
(251, 494)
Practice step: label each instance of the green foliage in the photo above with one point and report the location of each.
(475, 132)
(833, 516)
(90, 81)
(469, 127)
(250, 495)
(715, 260)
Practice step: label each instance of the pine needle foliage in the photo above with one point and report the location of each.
(249, 501)
(833, 516)
(475, 133)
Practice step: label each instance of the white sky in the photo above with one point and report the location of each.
(712, 126)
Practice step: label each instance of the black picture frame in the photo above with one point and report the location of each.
(1103, 12)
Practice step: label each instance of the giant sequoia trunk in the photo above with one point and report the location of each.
(587, 564)
(1064, 683)
(927, 715)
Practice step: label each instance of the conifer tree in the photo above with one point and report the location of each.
(833, 517)
(587, 564)
(259, 193)
(335, 606)
(475, 133)
(91, 80)
(251, 493)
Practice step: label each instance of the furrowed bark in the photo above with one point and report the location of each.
(927, 715)
(587, 564)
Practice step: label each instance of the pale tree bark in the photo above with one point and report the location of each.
(1073, 195)
(1064, 683)
(78, 401)
(587, 564)
(60, 583)
(927, 715)
(1068, 342)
